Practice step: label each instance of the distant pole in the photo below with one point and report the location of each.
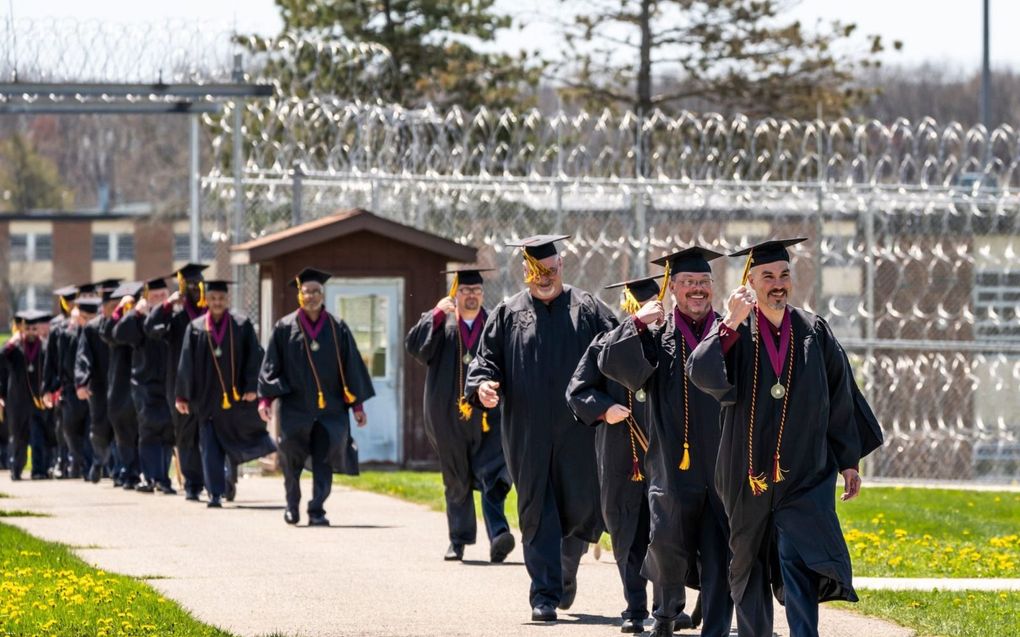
(986, 75)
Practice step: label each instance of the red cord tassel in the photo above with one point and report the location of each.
(636, 475)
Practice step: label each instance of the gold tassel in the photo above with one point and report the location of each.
(685, 462)
(758, 484)
(630, 305)
(237, 395)
(665, 282)
(65, 306)
(300, 299)
(747, 268)
(635, 475)
(349, 397)
(535, 269)
(201, 295)
(181, 283)
(454, 285)
(485, 422)
(465, 409)
(322, 401)
(226, 402)
(778, 473)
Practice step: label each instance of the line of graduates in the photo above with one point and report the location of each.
(707, 444)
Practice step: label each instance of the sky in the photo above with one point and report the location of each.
(945, 31)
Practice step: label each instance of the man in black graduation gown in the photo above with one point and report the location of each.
(791, 419)
(315, 374)
(531, 344)
(217, 378)
(167, 322)
(148, 385)
(120, 403)
(688, 544)
(467, 440)
(74, 425)
(22, 361)
(60, 458)
(620, 418)
(91, 372)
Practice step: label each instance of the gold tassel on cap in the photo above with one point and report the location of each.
(201, 295)
(665, 282)
(322, 400)
(747, 268)
(65, 306)
(181, 283)
(485, 422)
(630, 305)
(465, 409)
(454, 285)
(300, 299)
(535, 268)
(226, 402)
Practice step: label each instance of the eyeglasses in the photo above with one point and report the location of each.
(474, 291)
(312, 292)
(695, 283)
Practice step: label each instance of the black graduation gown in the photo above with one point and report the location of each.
(92, 370)
(653, 360)
(589, 395)
(287, 377)
(165, 324)
(463, 448)
(119, 404)
(821, 437)
(21, 390)
(532, 349)
(240, 430)
(61, 351)
(148, 385)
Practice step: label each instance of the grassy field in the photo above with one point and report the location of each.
(891, 532)
(944, 613)
(45, 590)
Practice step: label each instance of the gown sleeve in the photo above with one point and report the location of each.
(711, 370)
(185, 389)
(252, 358)
(488, 364)
(628, 356)
(586, 392)
(272, 375)
(359, 381)
(425, 339)
(83, 358)
(842, 427)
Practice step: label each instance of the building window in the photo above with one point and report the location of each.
(997, 305)
(43, 247)
(125, 247)
(101, 247)
(43, 298)
(182, 248)
(19, 247)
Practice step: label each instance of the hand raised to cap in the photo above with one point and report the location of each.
(651, 313)
(446, 305)
(738, 306)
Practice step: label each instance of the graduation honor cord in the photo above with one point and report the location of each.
(463, 406)
(213, 349)
(758, 483)
(637, 439)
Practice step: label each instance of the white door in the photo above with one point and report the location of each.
(372, 308)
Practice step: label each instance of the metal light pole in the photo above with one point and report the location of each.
(986, 74)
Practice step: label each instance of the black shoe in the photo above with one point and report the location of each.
(36, 476)
(455, 553)
(501, 547)
(682, 622)
(191, 496)
(632, 626)
(214, 502)
(696, 615)
(145, 487)
(662, 628)
(16, 477)
(231, 492)
(318, 520)
(117, 482)
(291, 516)
(569, 593)
(543, 613)
(129, 486)
(95, 474)
(166, 489)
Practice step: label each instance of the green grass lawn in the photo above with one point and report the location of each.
(891, 532)
(45, 590)
(945, 613)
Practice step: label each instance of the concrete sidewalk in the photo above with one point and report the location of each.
(377, 571)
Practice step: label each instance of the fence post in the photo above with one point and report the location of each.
(240, 294)
(296, 194)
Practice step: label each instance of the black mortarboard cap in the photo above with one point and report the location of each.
(468, 275)
(86, 289)
(32, 317)
(768, 251)
(643, 289)
(67, 292)
(311, 274)
(540, 246)
(89, 304)
(108, 284)
(158, 283)
(191, 271)
(693, 259)
(217, 285)
(128, 288)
